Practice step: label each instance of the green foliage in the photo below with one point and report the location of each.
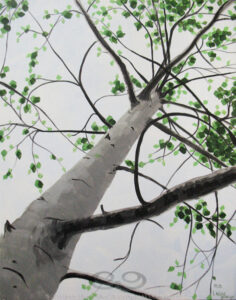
(118, 86)
(217, 37)
(110, 120)
(38, 183)
(86, 145)
(130, 163)
(136, 82)
(18, 153)
(141, 19)
(8, 174)
(66, 14)
(175, 286)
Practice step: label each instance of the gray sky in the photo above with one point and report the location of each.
(154, 250)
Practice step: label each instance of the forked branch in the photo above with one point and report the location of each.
(154, 82)
(117, 59)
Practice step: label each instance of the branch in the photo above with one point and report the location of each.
(117, 59)
(105, 282)
(62, 231)
(141, 175)
(189, 143)
(153, 83)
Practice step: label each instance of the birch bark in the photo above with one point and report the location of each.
(31, 264)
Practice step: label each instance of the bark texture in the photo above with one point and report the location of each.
(31, 263)
(189, 190)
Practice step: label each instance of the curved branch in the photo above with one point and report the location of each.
(96, 279)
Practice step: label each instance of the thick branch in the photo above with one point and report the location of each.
(117, 59)
(189, 190)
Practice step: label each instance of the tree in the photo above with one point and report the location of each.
(37, 248)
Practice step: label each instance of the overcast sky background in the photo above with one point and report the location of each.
(154, 249)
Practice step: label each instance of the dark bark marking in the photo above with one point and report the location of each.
(108, 137)
(42, 198)
(82, 181)
(53, 219)
(16, 272)
(45, 252)
(8, 227)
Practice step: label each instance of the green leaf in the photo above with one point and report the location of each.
(38, 183)
(8, 174)
(6, 69)
(53, 157)
(111, 120)
(133, 3)
(1, 135)
(120, 33)
(3, 92)
(13, 84)
(4, 20)
(58, 77)
(7, 27)
(33, 167)
(25, 7)
(4, 153)
(129, 163)
(141, 164)
(18, 154)
(171, 269)
(12, 4)
(27, 108)
(34, 55)
(175, 286)
(138, 26)
(176, 262)
(35, 99)
(67, 14)
(94, 126)
(182, 148)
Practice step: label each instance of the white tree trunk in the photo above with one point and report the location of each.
(31, 264)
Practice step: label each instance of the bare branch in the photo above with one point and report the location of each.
(96, 279)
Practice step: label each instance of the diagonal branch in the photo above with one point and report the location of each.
(140, 174)
(62, 231)
(117, 59)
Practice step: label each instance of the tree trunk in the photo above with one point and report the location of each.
(31, 264)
